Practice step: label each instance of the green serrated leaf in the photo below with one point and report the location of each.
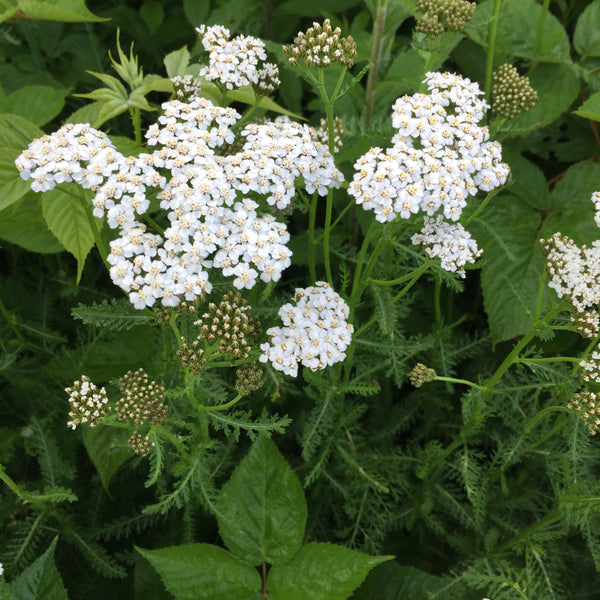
(321, 572)
(16, 132)
(156, 83)
(262, 509)
(116, 315)
(69, 11)
(37, 103)
(204, 572)
(590, 109)
(586, 38)
(176, 62)
(153, 14)
(513, 267)
(66, 217)
(86, 114)
(107, 447)
(22, 223)
(41, 580)
(517, 30)
(527, 180)
(111, 82)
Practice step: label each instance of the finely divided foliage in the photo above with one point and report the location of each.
(336, 307)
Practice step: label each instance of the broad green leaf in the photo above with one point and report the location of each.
(321, 572)
(517, 28)
(17, 133)
(37, 103)
(590, 109)
(156, 83)
(262, 510)
(247, 96)
(393, 581)
(41, 580)
(147, 584)
(87, 114)
(586, 39)
(508, 231)
(572, 211)
(196, 11)
(7, 9)
(153, 14)
(12, 186)
(204, 572)
(64, 209)
(557, 86)
(69, 11)
(527, 180)
(176, 62)
(126, 146)
(107, 447)
(22, 223)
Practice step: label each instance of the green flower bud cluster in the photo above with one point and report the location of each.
(586, 405)
(142, 402)
(443, 15)
(248, 378)
(511, 92)
(140, 444)
(421, 374)
(232, 324)
(191, 356)
(321, 45)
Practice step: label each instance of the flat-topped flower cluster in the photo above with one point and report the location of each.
(212, 222)
(315, 331)
(439, 157)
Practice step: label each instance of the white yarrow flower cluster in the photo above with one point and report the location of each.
(211, 222)
(596, 201)
(89, 404)
(574, 272)
(451, 242)
(439, 156)
(591, 368)
(234, 63)
(315, 331)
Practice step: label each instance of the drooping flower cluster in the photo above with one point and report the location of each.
(574, 272)
(443, 15)
(89, 404)
(211, 223)
(440, 155)
(315, 331)
(451, 242)
(321, 45)
(235, 63)
(587, 405)
(512, 93)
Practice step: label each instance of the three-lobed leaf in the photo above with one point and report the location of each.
(261, 510)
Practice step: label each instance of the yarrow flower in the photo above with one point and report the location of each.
(211, 222)
(588, 406)
(443, 15)
(439, 157)
(235, 63)
(89, 404)
(451, 242)
(315, 331)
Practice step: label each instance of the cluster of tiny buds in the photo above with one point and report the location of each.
(591, 368)
(140, 444)
(186, 87)
(322, 133)
(443, 15)
(248, 378)
(587, 323)
(321, 45)
(421, 374)
(512, 93)
(232, 323)
(585, 404)
(191, 356)
(142, 402)
(89, 405)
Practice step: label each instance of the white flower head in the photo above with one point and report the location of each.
(315, 332)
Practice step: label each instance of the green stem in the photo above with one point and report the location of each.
(339, 217)
(540, 30)
(136, 119)
(437, 303)
(359, 264)
(542, 415)
(17, 489)
(222, 406)
(326, 234)
(483, 204)
(491, 47)
(553, 516)
(548, 359)
(379, 25)
(95, 231)
(312, 215)
(463, 381)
